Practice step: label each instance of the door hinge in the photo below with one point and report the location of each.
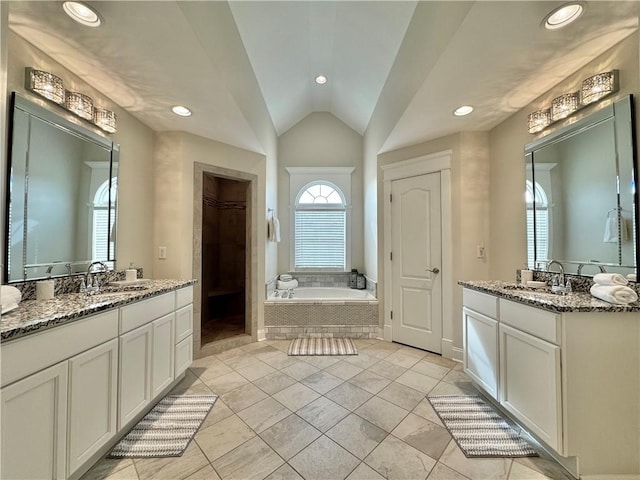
(391, 314)
(391, 256)
(390, 197)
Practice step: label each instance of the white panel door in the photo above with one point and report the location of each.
(163, 351)
(93, 396)
(135, 373)
(34, 420)
(480, 339)
(416, 261)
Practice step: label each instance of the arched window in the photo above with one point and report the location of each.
(537, 223)
(320, 227)
(103, 239)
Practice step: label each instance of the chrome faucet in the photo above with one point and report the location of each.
(558, 285)
(582, 265)
(91, 284)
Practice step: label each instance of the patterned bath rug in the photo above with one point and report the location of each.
(322, 346)
(478, 429)
(167, 429)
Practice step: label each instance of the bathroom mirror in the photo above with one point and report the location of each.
(62, 189)
(581, 194)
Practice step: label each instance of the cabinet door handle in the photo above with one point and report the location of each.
(435, 270)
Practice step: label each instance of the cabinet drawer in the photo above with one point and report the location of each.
(184, 355)
(140, 313)
(184, 296)
(184, 323)
(480, 302)
(537, 322)
(24, 356)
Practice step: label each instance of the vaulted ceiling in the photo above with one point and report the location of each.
(241, 64)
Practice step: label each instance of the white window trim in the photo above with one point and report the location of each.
(299, 177)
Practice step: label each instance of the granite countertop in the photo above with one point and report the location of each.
(573, 302)
(35, 315)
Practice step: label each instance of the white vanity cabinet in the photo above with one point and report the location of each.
(134, 388)
(571, 378)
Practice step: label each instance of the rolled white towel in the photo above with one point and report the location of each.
(285, 277)
(10, 297)
(616, 294)
(280, 285)
(610, 279)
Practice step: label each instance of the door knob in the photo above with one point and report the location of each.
(435, 270)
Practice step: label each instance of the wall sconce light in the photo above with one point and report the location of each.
(80, 104)
(105, 119)
(563, 106)
(593, 89)
(51, 87)
(539, 120)
(45, 84)
(598, 86)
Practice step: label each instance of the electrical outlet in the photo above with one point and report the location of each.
(162, 253)
(479, 251)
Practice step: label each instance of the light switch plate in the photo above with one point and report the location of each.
(162, 253)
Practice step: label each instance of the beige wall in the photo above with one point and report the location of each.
(320, 140)
(135, 186)
(508, 250)
(470, 213)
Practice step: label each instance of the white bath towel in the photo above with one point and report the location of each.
(610, 279)
(611, 229)
(9, 297)
(285, 277)
(273, 227)
(280, 285)
(616, 294)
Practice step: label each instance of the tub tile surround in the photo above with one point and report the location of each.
(321, 279)
(36, 315)
(325, 434)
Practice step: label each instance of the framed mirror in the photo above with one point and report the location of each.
(62, 195)
(582, 196)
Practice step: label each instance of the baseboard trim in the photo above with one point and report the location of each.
(449, 351)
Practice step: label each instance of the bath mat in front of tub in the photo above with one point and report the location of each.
(478, 429)
(167, 429)
(322, 346)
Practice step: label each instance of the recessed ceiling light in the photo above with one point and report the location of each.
(82, 13)
(563, 15)
(463, 110)
(182, 111)
(321, 79)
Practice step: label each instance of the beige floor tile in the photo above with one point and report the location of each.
(266, 351)
(420, 433)
(280, 360)
(322, 382)
(228, 354)
(127, 473)
(348, 396)
(362, 360)
(382, 413)
(282, 345)
(243, 397)
(343, 370)
(234, 465)
(299, 370)
(324, 459)
(382, 349)
(264, 414)
(357, 435)
(444, 388)
(402, 359)
(458, 378)
(108, 468)
(255, 371)
(369, 381)
(220, 411)
(241, 361)
(252, 347)
(475, 468)
(395, 460)
(226, 383)
(401, 395)
(323, 413)
(364, 342)
(223, 437)
(213, 370)
(520, 472)
(285, 472)
(321, 361)
(414, 352)
(388, 370)
(543, 465)
(440, 360)
(425, 410)
(289, 436)
(206, 473)
(364, 472)
(442, 472)
(190, 384)
(296, 396)
(274, 382)
(189, 462)
(417, 381)
(430, 369)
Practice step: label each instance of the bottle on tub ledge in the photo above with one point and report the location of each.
(353, 278)
(361, 282)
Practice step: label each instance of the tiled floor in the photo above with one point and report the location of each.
(361, 417)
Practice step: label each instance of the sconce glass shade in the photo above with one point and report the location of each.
(539, 120)
(563, 106)
(80, 104)
(105, 119)
(598, 86)
(46, 84)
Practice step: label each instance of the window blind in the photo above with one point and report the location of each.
(320, 238)
(101, 233)
(542, 232)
